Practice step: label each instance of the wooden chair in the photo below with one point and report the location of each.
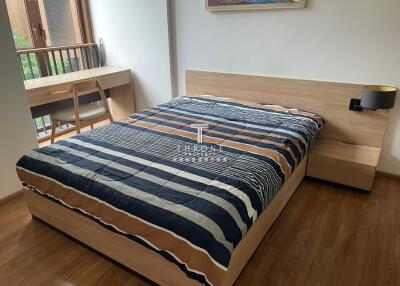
(81, 115)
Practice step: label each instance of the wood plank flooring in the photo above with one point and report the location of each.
(72, 133)
(327, 235)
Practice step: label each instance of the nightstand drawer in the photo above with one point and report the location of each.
(350, 165)
(342, 172)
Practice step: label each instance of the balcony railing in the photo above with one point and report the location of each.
(42, 62)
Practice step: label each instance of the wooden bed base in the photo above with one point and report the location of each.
(146, 262)
(327, 99)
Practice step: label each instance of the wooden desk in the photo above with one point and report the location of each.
(117, 80)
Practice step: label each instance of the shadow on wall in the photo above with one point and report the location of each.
(390, 159)
(102, 52)
(142, 101)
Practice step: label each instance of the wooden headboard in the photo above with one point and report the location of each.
(329, 99)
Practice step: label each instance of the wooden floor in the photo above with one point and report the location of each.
(327, 235)
(72, 133)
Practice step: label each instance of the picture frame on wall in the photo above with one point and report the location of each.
(229, 5)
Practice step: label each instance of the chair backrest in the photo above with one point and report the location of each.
(81, 88)
(86, 86)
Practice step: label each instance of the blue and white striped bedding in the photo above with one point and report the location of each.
(148, 178)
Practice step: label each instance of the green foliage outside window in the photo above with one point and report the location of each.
(21, 41)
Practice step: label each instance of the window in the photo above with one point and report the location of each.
(51, 37)
(19, 23)
(60, 22)
(47, 24)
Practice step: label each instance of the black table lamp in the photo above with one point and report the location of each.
(374, 97)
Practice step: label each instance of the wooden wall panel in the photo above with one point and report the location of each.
(329, 99)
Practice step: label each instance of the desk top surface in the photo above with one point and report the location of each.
(39, 83)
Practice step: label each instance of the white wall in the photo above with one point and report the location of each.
(135, 35)
(355, 41)
(16, 125)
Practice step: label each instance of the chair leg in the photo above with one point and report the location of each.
(91, 126)
(53, 130)
(78, 127)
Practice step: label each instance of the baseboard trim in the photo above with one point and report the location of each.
(11, 196)
(388, 175)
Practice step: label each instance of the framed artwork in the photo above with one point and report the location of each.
(225, 5)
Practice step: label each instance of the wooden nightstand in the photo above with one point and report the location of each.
(347, 164)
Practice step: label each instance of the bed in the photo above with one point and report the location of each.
(146, 193)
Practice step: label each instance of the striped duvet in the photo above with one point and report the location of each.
(147, 177)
